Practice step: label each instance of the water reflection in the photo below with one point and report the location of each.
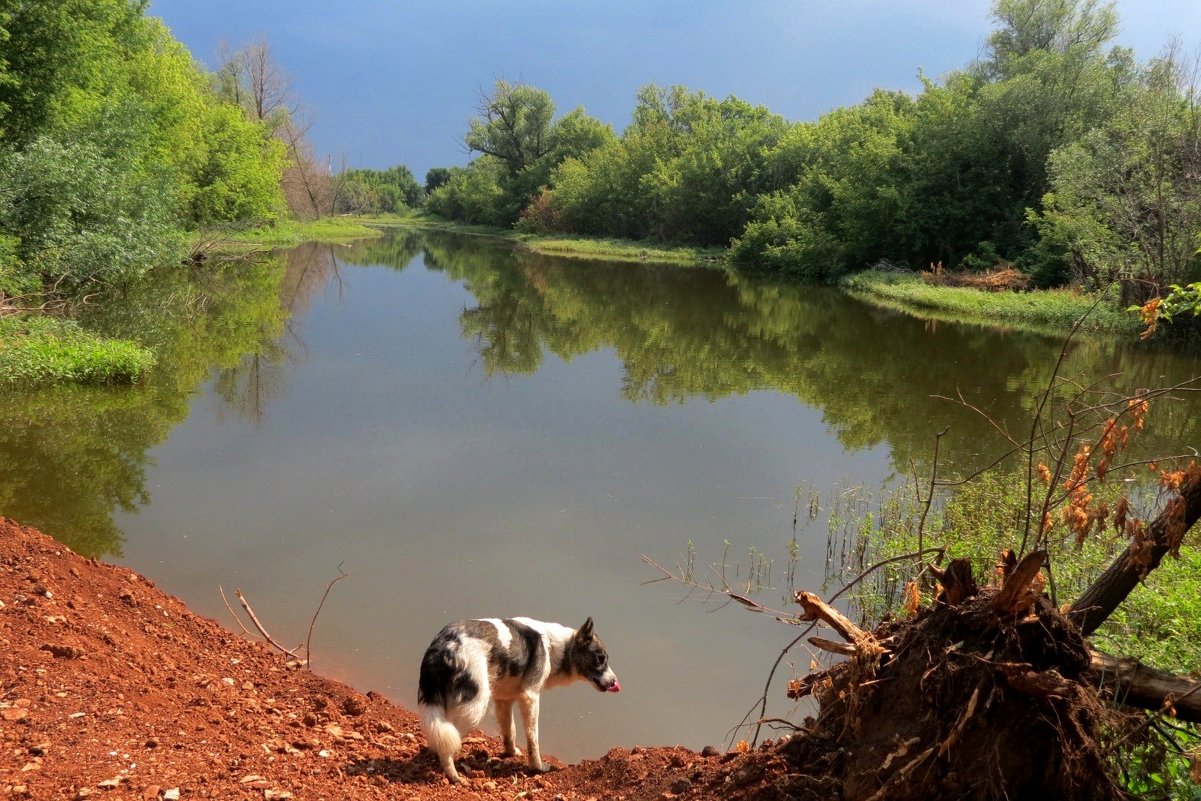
(70, 457)
(681, 333)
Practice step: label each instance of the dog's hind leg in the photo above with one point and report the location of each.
(529, 714)
(508, 731)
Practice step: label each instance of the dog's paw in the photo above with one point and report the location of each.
(511, 752)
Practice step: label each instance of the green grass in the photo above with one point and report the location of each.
(619, 250)
(46, 350)
(288, 233)
(562, 245)
(1054, 310)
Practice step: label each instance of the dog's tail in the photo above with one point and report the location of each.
(442, 735)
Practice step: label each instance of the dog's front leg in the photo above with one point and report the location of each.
(529, 714)
(508, 730)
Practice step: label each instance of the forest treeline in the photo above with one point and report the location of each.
(116, 145)
(1055, 151)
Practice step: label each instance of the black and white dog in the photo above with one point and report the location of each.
(473, 662)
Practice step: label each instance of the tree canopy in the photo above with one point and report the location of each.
(1055, 152)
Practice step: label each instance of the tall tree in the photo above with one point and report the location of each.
(513, 125)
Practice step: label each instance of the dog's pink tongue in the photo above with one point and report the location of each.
(616, 688)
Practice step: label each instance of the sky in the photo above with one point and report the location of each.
(396, 81)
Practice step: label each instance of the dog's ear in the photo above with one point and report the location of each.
(585, 632)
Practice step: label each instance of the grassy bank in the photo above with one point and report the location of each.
(45, 350)
(577, 247)
(288, 233)
(1053, 310)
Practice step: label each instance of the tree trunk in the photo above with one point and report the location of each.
(1111, 588)
(1135, 684)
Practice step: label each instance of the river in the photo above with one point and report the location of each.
(471, 430)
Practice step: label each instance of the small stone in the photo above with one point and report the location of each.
(171, 795)
(151, 793)
(82, 792)
(681, 786)
(111, 784)
(151, 743)
(710, 751)
(40, 749)
(354, 706)
(62, 651)
(12, 715)
(490, 786)
(276, 795)
(384, 726)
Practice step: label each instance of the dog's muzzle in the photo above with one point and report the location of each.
(607, 682)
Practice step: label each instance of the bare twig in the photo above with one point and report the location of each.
(308, 642)
(232, 613)
(254, 619)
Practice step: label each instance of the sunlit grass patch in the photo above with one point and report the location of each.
(1055, 309)
(619, 249)
(290, 232)
(44, 350)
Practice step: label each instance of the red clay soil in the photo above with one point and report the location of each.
(112, 689)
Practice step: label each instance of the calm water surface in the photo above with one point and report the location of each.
(471, 431)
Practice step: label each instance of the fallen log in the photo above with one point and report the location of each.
(1106, 594)
(1135, 684)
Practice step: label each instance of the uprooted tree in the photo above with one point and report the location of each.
(994, 691)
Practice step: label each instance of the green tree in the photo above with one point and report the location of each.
(435, 177)
(512, 125)
(1125, 199)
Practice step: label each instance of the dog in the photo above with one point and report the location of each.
(474, 662)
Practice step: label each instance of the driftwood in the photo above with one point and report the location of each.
(1135, 684)
(817, 609)
(1111, 588)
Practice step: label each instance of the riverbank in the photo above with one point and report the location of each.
(1047, 310)
(562, 245)
(287, 234)
(1052, 311)
(113, 688)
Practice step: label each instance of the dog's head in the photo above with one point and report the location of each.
(590, 660)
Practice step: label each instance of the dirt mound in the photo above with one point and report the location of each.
(110, 688)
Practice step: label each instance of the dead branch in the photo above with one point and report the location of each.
(841, 648)
(232, 613)
(771, 674)
(254, 619)
(817, 609)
